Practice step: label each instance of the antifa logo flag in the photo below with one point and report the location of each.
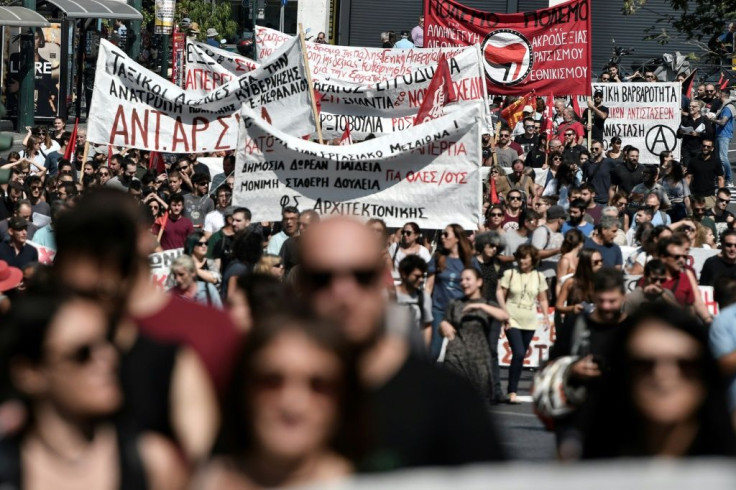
(546, 50)
(439, 93)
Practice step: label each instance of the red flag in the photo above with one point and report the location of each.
(515, 111)
(548, 119)
(439, 93)
(494, 192)
(72, 142)
(687, 84)
(723, 81)
(576, 106)
(346, 139)
(156, 162)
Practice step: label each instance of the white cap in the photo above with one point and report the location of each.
(527, 108)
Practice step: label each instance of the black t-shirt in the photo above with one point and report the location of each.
(704, 175)
(427, 416)
(723, 218)
(527, 144)
(626, 178)
(571, 154)
(713, 268)
(599, 176)
(598, 123)
(690, 143)
(536, 158)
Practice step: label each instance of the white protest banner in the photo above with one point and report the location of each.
(369, 108)
(160, 264)
(134, 107)
(538, 351)
(645, 115)
(428, 173)
(208, 67)
(354, 64)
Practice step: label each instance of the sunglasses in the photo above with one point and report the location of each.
(321, 279)
(658, 280)
(504, 136)
(688, 229)
(528, 127)
(275, 382)
(569, 134)
(677, 256)
(407, 232)
(707, 146)
(556, 159)
(689, 368)
(104, 174)
(201, 244)
(36, 187)
(83, 354)
(279, 265)
(496, 215)
(723, 200)
(729, 245)
(514, 198)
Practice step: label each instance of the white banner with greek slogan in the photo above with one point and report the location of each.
(134, 107)
(428, 173)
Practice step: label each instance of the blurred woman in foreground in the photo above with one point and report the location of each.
(290, 397)
(662, 394)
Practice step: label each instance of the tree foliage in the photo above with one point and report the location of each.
(209, 14)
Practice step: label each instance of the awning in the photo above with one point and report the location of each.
(21, 17)
(97, 9)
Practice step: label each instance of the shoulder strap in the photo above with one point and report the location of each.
(10, 465)
(132, 472)
(420, 304)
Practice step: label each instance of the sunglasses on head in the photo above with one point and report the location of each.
(321, 279)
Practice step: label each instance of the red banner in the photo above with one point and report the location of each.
(545, 50)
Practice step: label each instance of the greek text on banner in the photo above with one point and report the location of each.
(406, 176)
(546, 50)
(645, 115)
(134, 107)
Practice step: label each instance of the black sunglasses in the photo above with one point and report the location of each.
(407, 232)
(321, 279)
(689, 368)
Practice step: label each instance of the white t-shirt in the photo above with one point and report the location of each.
(398, 255)
(213, 221)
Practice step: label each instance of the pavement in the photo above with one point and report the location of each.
(522, 434)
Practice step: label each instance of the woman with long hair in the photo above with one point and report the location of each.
(494, 218)
(466, 323)
(59, 358)
(572, 243)
(662, 393)
(293, 398)
(564, 178)
(521, 288)
(576, 297)
(650, 238)
(454, 254)
(704, 237)
(620, 201)
(33, 151)
(409, 244)
(674, 184)
(196, 248)
(270, 264)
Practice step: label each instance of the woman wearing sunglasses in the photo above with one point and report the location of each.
(59, 358)
(196, 248)
(409, 244)
(662, 394)
(293, 395)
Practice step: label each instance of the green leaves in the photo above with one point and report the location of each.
(209, 14)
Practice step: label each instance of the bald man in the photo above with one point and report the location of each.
(419, 415)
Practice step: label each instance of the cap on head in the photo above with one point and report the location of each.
(18, 223)
(211, 32)
(556, 212)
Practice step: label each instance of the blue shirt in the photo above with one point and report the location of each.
(404, 44)
(723, 341)
(447, 282)
(725, 131)
(611, 254)
(585, 228)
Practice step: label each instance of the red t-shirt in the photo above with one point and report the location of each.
(205, 329)
(682, 289)
(575, 126)
(175, 233)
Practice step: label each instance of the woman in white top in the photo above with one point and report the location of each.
(409, 245)
(33, 151)
(48, 145)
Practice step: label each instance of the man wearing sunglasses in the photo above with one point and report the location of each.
(651, 291)
(722, 264)
(570, 124)
(341, 277)
(599, 115)
(673, 252)
(506, 150)
(705, 174)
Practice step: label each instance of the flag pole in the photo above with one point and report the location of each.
(590, 123)
(310, 84)
(84, 155)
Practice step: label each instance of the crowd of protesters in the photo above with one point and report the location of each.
(310, 349)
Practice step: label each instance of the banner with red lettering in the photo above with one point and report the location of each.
(412, 175)
(368, 107)
(208, 67)
(545, 50)
(355, 64)
(136, 108)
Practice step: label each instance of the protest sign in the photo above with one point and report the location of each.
(407, 176)
(645, 115)
(545, 50)
(134, 107)
(160, 264)
(355, 64)
(208, 68)
(369, 108)
(538, 351)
